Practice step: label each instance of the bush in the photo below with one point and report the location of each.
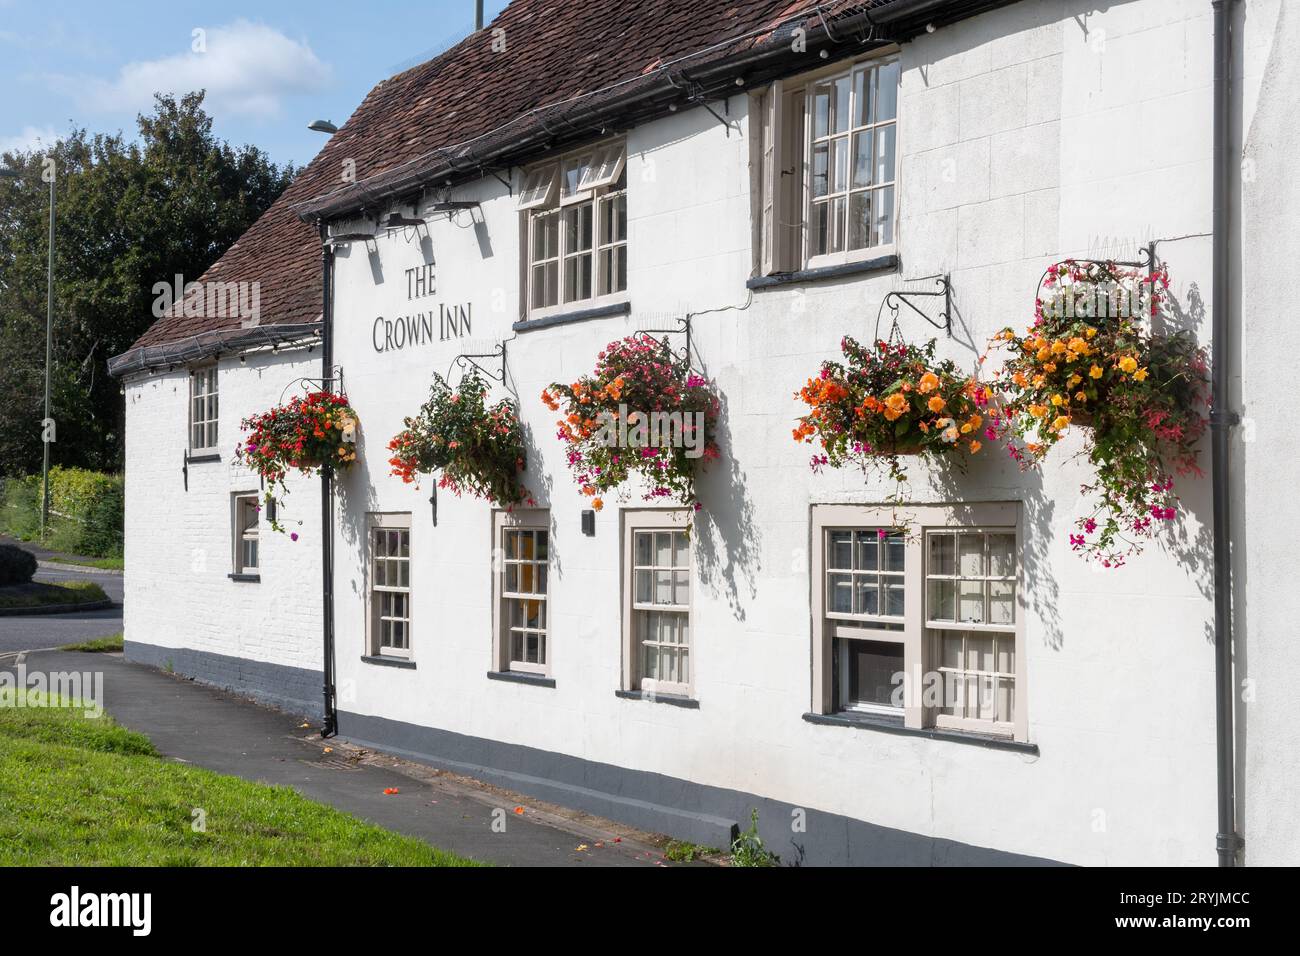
(16, 565)
(86, 511)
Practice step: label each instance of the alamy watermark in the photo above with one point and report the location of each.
(1086, 298)
(69, 690)
(209, 300)
(637, 429)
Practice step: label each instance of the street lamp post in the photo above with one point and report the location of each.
(46, 436)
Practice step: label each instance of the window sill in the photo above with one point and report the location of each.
(674, 700)
(894, 725)
(388, 661)
(204, 456)
(879, 264)
(573, 315)
(522, 677)
(243, 576)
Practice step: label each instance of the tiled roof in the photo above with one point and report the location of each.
(559, 57)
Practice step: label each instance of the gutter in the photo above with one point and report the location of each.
(1227, 842)
(330, 726)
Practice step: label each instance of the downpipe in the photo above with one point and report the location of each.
(1227, 842)
(330, 725)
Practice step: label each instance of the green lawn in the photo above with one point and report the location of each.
(100, 644)
(36, 594)
(81, 791)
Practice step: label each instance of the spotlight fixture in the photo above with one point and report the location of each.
(396, 221)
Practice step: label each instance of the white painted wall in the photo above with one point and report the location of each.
(178, 542)
(1033, 133)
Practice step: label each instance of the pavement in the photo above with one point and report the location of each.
(193, 723)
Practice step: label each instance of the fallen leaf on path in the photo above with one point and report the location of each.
(391, 790)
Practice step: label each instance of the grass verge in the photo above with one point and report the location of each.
(104, 564)
(82, 791)
(99, 645)
(37, 594)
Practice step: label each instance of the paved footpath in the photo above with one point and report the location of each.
(197, 724)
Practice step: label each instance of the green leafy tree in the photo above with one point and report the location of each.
(130, 213)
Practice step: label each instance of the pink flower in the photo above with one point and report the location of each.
(293, 535)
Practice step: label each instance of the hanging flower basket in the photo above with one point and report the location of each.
(890, 401)
(1090, 360)
(308, 434)
(478, 448)
(643, 413)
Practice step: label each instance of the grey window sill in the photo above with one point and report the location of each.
(388, 661)
(574, 315)
(879, 264)
(522, 677)
(894, 725)
(243, 576)
(199, 459)
(674, 700)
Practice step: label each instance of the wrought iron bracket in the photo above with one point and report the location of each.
(901, 297)
(467, 360)
(683, 328)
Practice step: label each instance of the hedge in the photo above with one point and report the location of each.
(86, 511)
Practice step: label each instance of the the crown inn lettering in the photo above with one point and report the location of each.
(453, 322)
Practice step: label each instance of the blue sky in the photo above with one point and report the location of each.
(269, 68)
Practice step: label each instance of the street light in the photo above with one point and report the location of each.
(323, 126)
(46, 422)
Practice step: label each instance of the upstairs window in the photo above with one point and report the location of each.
(823, 152)
(576, 211)
(203, 410)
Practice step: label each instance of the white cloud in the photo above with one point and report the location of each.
(30, 138)
(247, 68)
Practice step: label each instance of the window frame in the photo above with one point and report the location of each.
(848, 70)
(388, 521)
(654, 520)
(211, 407)
(240, 533)
(526, 519)
(596, 186)
(919, 657)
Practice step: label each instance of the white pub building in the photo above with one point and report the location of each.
(763, 173)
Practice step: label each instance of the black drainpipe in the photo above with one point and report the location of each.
(1227, 842)
(330, 726)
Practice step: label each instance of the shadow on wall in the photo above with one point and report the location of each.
(1039, 589)
(357, 500)
(1194, 550)
(728, 542)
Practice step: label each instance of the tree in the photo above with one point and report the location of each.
(130, 214)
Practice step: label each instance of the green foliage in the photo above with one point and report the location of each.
(16, 565)
(478, 448)
(748, 849)
(130, 213)
(86, 511)
(98, 645)
(679, 851)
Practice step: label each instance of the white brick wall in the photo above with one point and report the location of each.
(178, 542)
